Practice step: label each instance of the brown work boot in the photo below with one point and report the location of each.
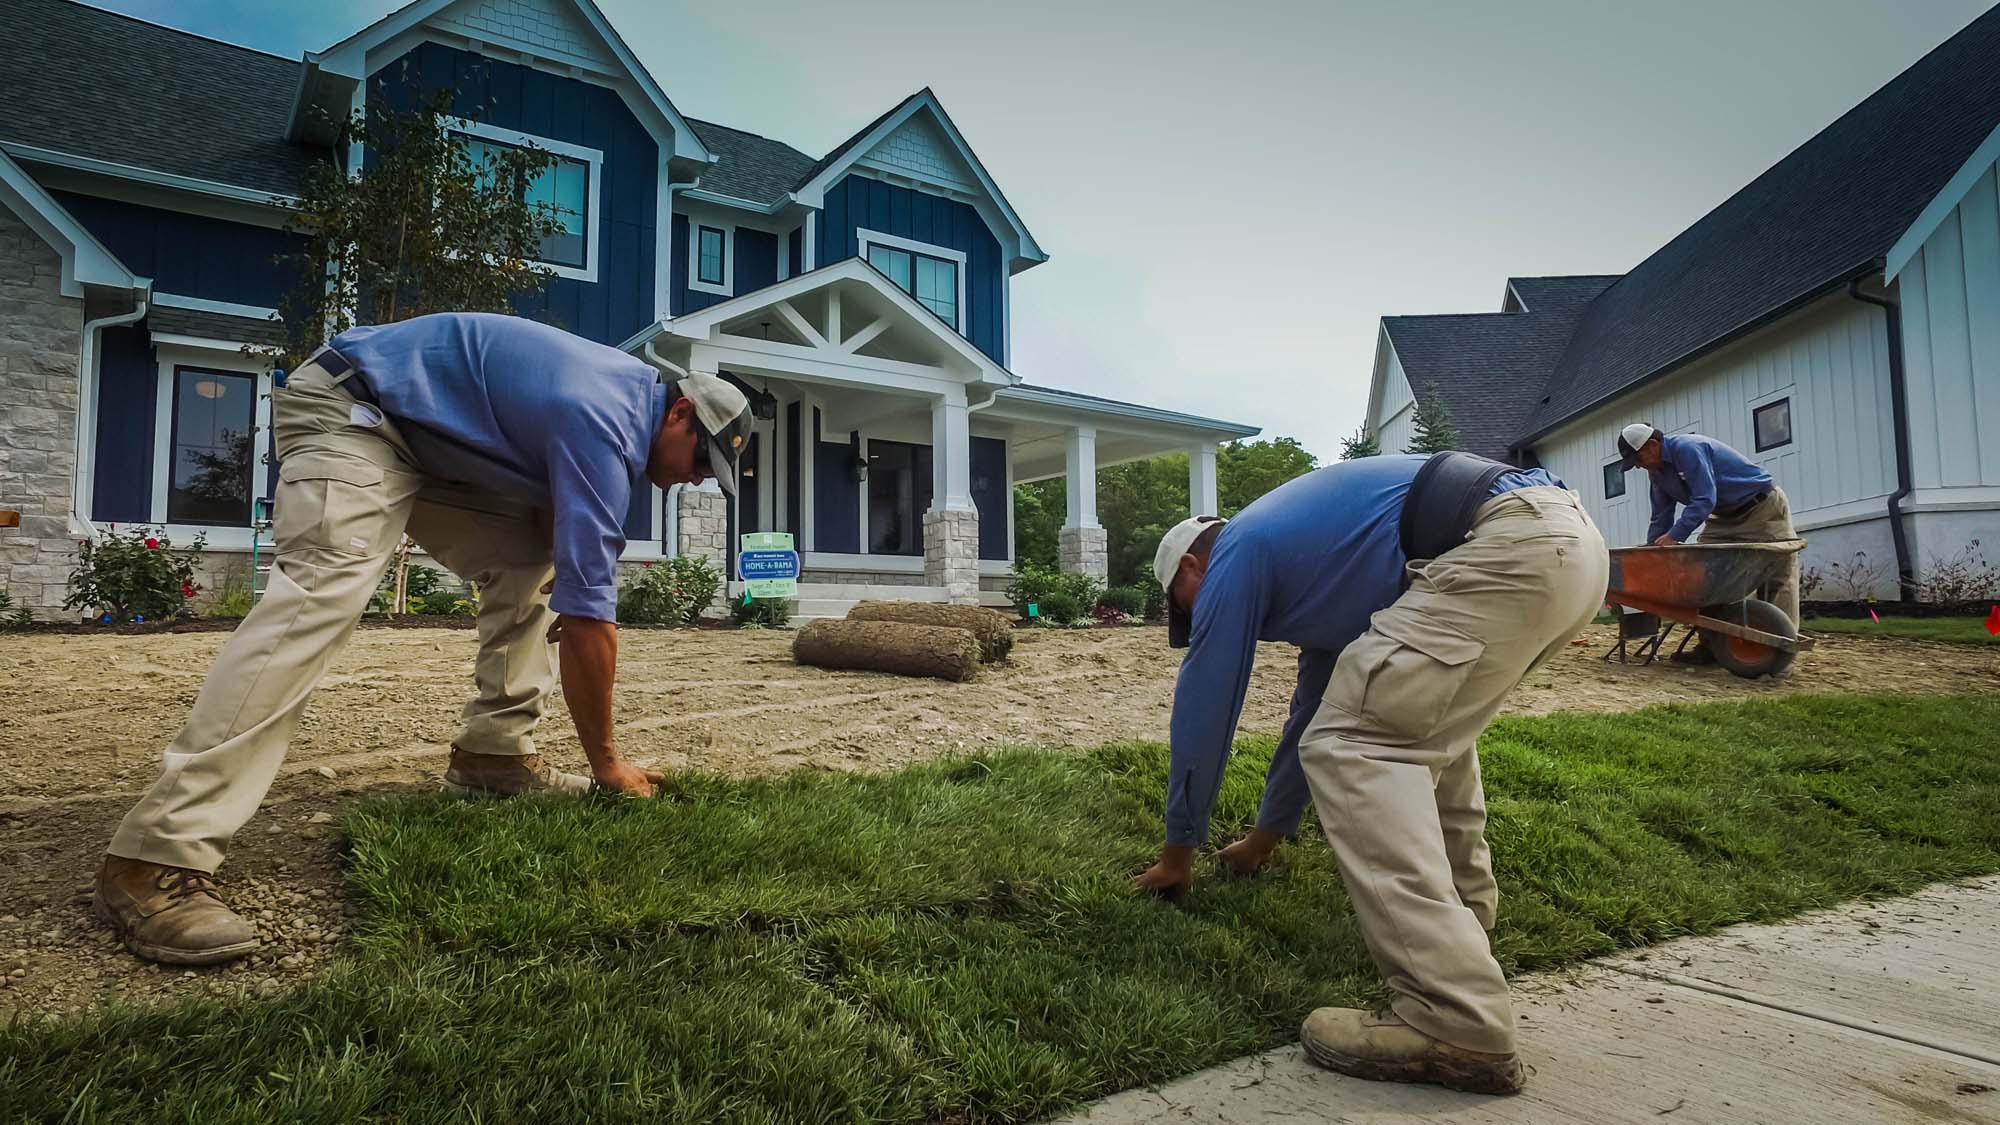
(1381, 1047)
(172, 915)
(509, 775)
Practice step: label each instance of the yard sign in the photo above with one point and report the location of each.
(768, 565)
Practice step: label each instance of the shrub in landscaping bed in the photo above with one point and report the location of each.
(670, 592)
(133, 575)
(761, 613)
(1057, 598)
(1128, 600)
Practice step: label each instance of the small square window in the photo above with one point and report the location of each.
(1614, 480)
(1773, 424)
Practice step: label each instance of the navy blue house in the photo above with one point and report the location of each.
(860, 296)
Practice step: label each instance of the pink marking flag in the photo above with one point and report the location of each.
(1872, 617)
(1993, 621)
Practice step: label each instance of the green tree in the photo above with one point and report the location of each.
(1039, 509)
(1138, 501)
(1362, 443)
(431, 223)
(1432, 430)
(1245, 470)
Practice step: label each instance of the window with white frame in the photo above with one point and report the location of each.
(934, 275)
(211, 443)
(711, 257)
(1773, 424)
(568, 189)
(1614, 479)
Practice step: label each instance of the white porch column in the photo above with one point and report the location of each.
(1201, 481)
(1082, 545)
(951, 526)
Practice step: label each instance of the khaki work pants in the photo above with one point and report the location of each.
(1390, 753)
(348, 490)
(1767, 521)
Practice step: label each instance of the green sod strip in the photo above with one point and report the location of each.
(1956, 630)
(954, 941)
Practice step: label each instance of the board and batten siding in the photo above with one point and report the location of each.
(857, 202)
(1950, 291)
(1394, 422)
(1830, 359)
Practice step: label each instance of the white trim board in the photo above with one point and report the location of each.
(592, 159)
(1941, 206)
(173, 358)
(695, 284)
(203, 304)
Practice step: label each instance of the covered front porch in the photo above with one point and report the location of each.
(889, 445)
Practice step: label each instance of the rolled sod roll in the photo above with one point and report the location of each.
(889, 646)
(995, 632)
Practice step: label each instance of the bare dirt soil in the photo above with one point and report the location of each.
(83, 720)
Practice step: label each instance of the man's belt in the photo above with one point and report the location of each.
(1743, 509)
(344, 373)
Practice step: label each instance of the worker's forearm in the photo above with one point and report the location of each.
(589, 667)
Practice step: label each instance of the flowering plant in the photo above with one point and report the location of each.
(134, 575)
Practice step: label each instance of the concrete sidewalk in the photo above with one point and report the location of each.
(1875, 1012)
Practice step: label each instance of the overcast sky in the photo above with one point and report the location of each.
(1231, 194)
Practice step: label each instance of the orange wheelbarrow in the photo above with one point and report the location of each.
(1709, 589)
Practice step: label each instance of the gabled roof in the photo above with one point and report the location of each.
(1490, 368)
(89, 83)
(1827, 213)
(828, 170)
(85, 261)
(347, 57)
(749, 167)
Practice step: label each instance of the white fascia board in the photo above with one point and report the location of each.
(85, 261)
(813, 193)
(132, 172)
(699, 195)
(203, 304)
(1941, 206)
(1106, 408)
(349, 58)
(1384, 348)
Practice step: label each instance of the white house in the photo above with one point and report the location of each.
(861, 296)
(1838, 320)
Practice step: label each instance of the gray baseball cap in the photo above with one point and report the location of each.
(722, 415)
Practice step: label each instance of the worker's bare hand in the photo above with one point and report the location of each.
(1248, 856)
(621, 776)
(1666, 541)
(1170, 875)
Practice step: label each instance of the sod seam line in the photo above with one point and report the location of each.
(1695, 984)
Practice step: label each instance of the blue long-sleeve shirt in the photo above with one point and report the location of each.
(524, 410)
(1308, 563)
(1699, 473)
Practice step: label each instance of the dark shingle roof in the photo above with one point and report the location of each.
(92, 83)
(841, 149)
(1820, 216)
(748, 166)
(1490, 368)
(215, 326)
(1559, 293)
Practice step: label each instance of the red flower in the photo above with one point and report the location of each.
(646, 564)
(152, 544)
(187, 589)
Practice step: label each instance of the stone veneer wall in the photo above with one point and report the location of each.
(1084, 550)
(41, 333)
(702, 520)
(951, 553)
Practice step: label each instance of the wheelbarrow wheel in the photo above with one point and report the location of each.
(1748, 658)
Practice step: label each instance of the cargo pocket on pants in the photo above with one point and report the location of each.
(330, 502)
(1408, 672)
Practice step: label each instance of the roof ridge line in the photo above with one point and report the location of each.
(130, 18)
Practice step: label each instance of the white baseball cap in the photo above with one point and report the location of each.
(1630, 439)
(722, 414)
(1178, 540)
